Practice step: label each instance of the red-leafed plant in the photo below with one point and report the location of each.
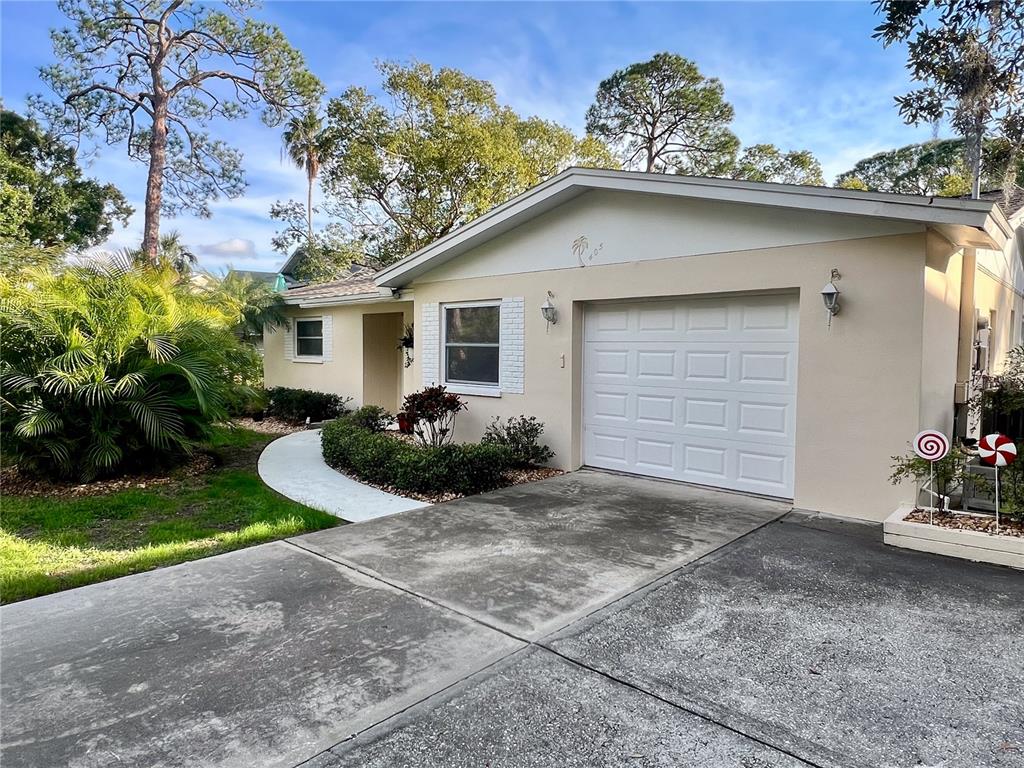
(432, 412)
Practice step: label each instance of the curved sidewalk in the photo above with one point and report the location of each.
(294, 467)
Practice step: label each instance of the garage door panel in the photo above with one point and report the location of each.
(733, 366)
(697, 390)
(695, 459)
(747, 418)
(766, 318)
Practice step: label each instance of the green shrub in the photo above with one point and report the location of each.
(949, 472)
(106, 368)
(296, 405)
(386, 460)
(521, 435)
(371, 417)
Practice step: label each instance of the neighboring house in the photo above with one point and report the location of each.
(691, 340)
(270, 278)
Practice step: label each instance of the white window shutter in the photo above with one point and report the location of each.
(429, 343)
(289, 340)
(511, 372)
(328, 332)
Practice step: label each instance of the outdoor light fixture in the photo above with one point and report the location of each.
(548, 310)
(830, 294)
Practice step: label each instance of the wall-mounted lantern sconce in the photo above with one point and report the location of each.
(830, 295)
(548, 310)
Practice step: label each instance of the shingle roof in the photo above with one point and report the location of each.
(1010, 203)
(358, 281)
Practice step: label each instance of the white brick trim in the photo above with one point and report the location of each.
(511, 371)
(328, 331)
(289, 341)
(429, 343)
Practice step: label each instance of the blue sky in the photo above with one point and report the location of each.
(800, 75)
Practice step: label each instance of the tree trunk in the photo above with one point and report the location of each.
(309, 207)
(974, 160)
(155, 182)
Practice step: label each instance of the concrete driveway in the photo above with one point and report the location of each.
(586, 620)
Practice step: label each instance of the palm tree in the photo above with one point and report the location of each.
(105, 366)
(307, 144)
(171, 252)
(256, 304)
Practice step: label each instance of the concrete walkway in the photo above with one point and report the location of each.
(294, 467)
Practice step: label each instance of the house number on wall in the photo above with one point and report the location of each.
(583, 252)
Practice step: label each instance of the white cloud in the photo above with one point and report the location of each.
(236, 247)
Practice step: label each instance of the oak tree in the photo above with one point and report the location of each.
(968, 56)
(766, 162)
(437, 151)
(45, 200)
(929, 168)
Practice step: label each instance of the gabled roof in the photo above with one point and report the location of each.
(966, 222)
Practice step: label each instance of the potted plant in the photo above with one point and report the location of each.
(406, 344)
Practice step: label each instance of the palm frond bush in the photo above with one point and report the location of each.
(105, 368)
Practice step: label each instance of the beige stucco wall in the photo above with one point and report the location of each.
(866, 385)
(940, 331)
(999, 286)
(992, 293)
(859, 383)
(343, 374)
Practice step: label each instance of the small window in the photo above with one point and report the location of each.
(471, 334)
(309, 338)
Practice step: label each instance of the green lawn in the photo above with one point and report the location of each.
(48, 544)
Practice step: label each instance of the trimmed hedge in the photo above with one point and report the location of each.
(370, 417)
(295, 405)
(385, 460)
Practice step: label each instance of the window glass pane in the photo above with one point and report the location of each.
(473, 365)
(308, 328)
(311, 346)
(472, 325)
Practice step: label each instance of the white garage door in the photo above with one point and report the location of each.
(700, 390)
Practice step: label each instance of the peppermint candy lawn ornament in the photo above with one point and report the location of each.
(931, 445)
(997, 450)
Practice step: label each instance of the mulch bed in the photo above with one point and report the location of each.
(514, 477)
(269, 426)
(14, 483)
(969, 522)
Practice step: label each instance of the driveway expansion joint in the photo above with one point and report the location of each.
(823, 758)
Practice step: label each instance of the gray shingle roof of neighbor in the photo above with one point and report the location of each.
(358, 281)
(1011, 202)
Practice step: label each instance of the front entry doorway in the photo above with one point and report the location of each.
(382, 360)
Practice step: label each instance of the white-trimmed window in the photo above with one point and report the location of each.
(471, 344)
(309, 337)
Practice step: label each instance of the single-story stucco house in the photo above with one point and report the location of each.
(690, 340)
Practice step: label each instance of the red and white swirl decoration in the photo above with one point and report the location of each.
(997, 450)
(931, 445)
